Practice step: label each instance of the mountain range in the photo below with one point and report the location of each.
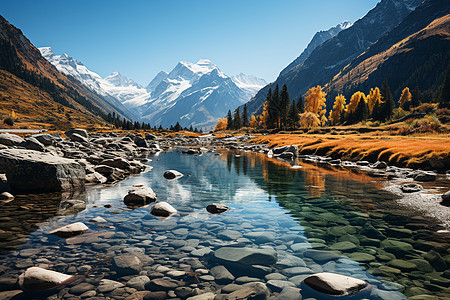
(328, 59)
(195, 95)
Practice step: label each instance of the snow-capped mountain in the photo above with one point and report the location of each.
(194, 94)
(318, 39)
(75, 68)
(157, 80)
(121, 87)
(115, 88)
(248, 83)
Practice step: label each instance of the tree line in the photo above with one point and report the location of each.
(279, 112)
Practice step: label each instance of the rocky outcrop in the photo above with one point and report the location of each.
(31, 171)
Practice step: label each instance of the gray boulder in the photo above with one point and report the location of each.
(117, 162)
(44, 138)
(446, 198)
(10, 139)
(127, 264)
(172, 174)
(163, 209)
(140, 141)
(335, 285)
(256, 290)
(411, 188)
(38, 279)
(31, 171)
(78, 138)
(217, 208)
(33, 144)
(81, 132)
(70, 230)
(247, 256)
(139, 195)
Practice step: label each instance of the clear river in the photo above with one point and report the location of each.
(317, 220)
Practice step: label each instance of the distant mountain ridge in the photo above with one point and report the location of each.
(196, 94)
(62, 98)
(331, 56)
(318, 39)
(193, 94)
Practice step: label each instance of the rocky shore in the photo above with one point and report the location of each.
(207, 261)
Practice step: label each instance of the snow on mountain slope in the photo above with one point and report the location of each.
(69, 66)
(115, 88)
(157, 80)
(195, 94)
(249, 83)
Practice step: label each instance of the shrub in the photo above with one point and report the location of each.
(425, 108)
(9, 121)
(443, 114)
(399, 113)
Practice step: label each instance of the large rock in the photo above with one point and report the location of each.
(163, 209)
(172, 174)
(127, 264)
(33, 144)
(257, 290)
(70, 230)
(335, 285)
(446, 198)
(411, 188)
(78, 138)
(38, 279)
(222, 275)
(10, 139)
(139, 195)
(217, 208)
(247, 256)
(140, 141)
(81, 132)
(30, 171)
(117, 162)
(44, 138)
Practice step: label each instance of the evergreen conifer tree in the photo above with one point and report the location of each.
(275, 108)
(294, 116)
(416, 99)
(245, 121)
(444, 99)
(237, 119)
(300, 105)
(229, 120)
(284, 106)
(388, 105)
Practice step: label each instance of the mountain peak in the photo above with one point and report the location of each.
(345, 25)
(46, 51)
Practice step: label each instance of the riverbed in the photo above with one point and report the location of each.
(315, 219)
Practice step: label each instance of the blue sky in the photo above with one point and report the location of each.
(141, 38)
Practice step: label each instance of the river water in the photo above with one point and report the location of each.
(317, 220)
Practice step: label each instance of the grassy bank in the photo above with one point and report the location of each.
(416, 152)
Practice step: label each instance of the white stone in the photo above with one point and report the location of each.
(70, 230)
(163, 209)
(37, 279)
(335, 284)
(172, 174)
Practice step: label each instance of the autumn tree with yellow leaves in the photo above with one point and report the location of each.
(221, 124)
(338, 109)
(316, 101)
(405, 99)
(373, 97)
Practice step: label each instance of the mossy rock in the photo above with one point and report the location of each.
(402, 265)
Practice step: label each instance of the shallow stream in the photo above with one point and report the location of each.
(317, 220)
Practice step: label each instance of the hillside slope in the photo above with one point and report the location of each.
(23, 67)
(414, 54)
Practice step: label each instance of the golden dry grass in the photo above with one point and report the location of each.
(402, 151)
